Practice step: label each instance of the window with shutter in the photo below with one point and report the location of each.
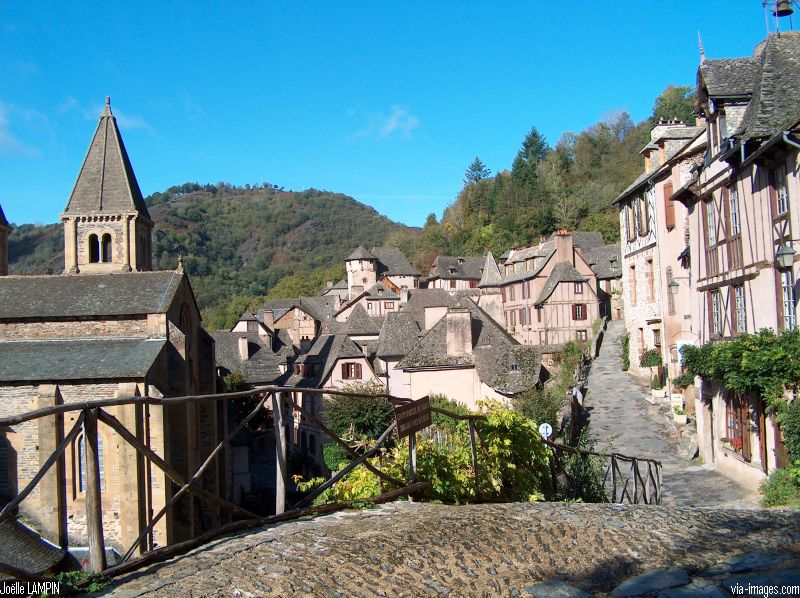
(669, 207)
(357, 370)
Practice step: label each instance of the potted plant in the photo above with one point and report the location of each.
(657, 390)
(680, 416)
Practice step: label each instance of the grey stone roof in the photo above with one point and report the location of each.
(729, 77)
(360, 253)
(606, 261)
(689, 132)
(393, 262)
(399, 334)
(106, 182)
(24, 549)
(419, 299)
(324, 353)
(320, 308)
(640, 180)
(78, 359)
(500, 361)
(381, 291)
(3, 221)
(132, 293)
(262, 365)
(777, 90)
(457, 267)
(491, 272)
(248, 316)
(562, 272)
(585, 240)
(527, 274)
(359, 323)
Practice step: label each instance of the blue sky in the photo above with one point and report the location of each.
(387, 102)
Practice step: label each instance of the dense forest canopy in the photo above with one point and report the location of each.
(241, 245)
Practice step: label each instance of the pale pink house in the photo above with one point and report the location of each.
(654, 237)
(743, 222)
(455, 273)
(550, 292)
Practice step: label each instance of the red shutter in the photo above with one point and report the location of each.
(503, 294)
(358, 371)
(344, 372)
(574, 312)
(745, 427)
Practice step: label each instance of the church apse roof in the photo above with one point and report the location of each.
(106, 183)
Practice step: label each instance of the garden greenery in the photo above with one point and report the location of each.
(764, 362)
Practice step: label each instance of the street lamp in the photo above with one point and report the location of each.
(673, 286)
(784, 257)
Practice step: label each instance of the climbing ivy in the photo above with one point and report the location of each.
(764, 362)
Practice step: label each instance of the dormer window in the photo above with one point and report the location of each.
(513, 367)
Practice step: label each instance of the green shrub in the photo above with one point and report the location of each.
(444, 422)
(625, 341)
(541, 404)
(781, 489)
(364, 417)
(656, 384)
(583, 473)
(790, 426)
(334, 456)
(597, 325)
(650, 359)
(683, 380)
(234, 382)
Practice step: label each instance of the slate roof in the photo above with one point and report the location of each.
(606, 261)
(457, 267)
(775, 96)
(78, 359)
(359, 323)
(360, 253)
(419, 299)
(729, 77)
(24, 549)
(106, 182)
(320, 308)
(381, 291)
(132, 293)
(491, 272)
(641, 179)
(399, 334)
(3, 221)
(393, 262)
(493, 354)
(562, 272)
(526, 274)
(260, 367)
(248, 316)
(585, 240)
(324, 353)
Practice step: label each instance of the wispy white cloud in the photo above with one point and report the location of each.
(9, 144)
(398, 122)
(132, 121)
(125, 120)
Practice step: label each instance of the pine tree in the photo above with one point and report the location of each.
(477, 171)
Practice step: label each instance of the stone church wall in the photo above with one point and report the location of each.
(73, 329)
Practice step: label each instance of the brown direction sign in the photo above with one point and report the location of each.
(412, 417)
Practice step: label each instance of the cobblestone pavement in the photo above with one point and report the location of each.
(621, 418)
(540, 549)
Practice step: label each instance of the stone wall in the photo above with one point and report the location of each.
(133, 326)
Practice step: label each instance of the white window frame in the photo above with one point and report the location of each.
(711, 224)
(740, 306)
(716, 312)
(787, 292)
(781, 191)
(736, 222)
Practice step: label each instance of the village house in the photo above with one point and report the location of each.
(108, 328)
(550, 292)
(654, 233)
(743, 213)
(454, 273)
(385, 265)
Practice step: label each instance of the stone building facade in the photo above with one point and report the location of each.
(107, 330)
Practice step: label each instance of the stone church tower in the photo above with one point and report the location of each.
(106, 224)
(4, 230)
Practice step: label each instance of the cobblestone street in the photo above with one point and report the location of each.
(621, 417)
(540, 549)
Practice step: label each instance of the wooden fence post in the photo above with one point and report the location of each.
(280, 454)
(94, 508)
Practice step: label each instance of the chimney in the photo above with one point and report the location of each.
(244, 349)
(564, 250)
(459, 332)
(328, 284)
(405, 295)
(269, 319)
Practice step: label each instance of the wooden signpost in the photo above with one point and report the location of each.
(411, 418)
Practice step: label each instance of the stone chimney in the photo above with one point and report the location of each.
(269, 319)
(564, 247)
(459, 332)
(244, 349)
(328, 284)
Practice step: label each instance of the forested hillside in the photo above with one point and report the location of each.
(242, 244)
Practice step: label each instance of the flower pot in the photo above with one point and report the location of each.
(658, 394)
(681, 420)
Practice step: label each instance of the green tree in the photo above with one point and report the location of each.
(477, 171)
(526, 163)
(675, 102)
